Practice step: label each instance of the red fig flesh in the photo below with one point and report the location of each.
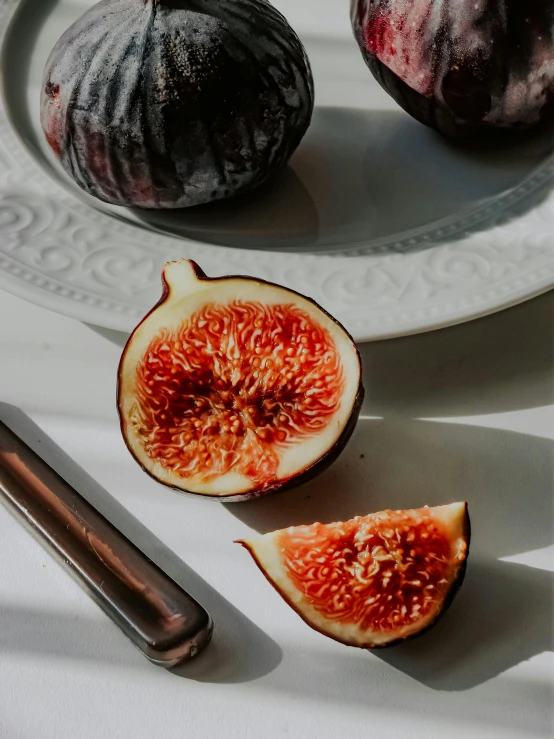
(461, 67)
(234, 387)
(372, 581)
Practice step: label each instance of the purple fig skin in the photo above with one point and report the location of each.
(174, 103)
(463, 67)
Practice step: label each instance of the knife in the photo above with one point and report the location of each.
(159, 617)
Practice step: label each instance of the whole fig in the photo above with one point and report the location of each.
(462, 66)
(174, 103)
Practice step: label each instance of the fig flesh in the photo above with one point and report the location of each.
(372, 581)
(175, 103)
(233, 387)
(462, 67)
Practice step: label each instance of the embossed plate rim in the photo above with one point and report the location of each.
(57, 252)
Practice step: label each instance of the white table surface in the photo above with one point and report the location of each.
(465, 413)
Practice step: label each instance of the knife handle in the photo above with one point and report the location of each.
(157, 615)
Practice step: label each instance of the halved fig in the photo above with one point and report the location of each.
(372, 581)
(234, 387)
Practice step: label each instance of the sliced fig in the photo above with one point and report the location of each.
(234, 387)
(372, 581)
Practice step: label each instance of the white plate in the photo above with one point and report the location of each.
(385, 224)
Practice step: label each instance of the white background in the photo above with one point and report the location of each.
(464, 413)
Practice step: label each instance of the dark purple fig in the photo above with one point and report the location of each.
(372, 581)
(234, 388)
(174, 103)
(462, 67)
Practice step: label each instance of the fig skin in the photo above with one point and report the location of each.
(466, 69)
(465, 535)
(280, 485)
(174, 103)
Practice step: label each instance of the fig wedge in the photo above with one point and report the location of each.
(373, 581)
(234, 387)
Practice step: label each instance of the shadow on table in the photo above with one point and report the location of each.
(51, 633)
(504, 613)
(502, 616)
(350, 679)
(499, 363)
(240, 650)
(506, 478)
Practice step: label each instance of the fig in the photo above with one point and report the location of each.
(462, 67)
(233, 387)
(373, 581)
(174, 103)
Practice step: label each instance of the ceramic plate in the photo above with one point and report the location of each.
(388, 226)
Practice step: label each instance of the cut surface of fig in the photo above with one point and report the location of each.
(234, 387)
(374, 580)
